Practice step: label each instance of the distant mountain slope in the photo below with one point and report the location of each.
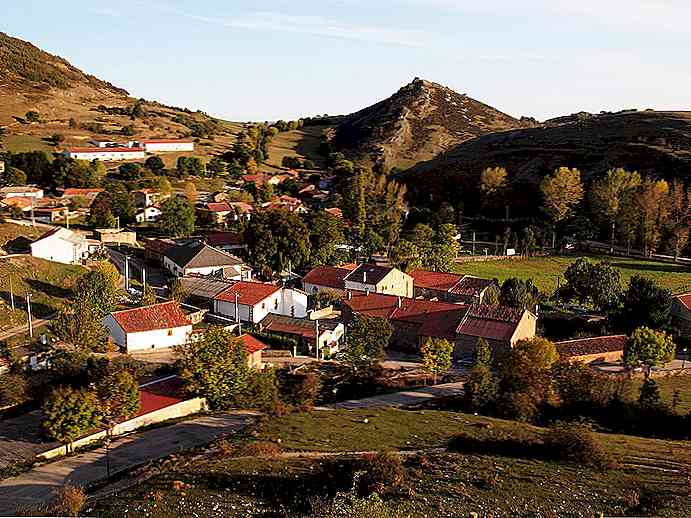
(650, 142)
(417, 123)
(80, 107)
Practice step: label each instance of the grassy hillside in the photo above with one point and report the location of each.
(436, 483)
(655, 143)
(544, 270)
(418, 122)
(48, 282)
(11, 231)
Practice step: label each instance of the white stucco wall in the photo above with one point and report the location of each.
(168, 146)
(157, 339)
(286, 302)
(107, 155)
(58, 250)
(293, 303)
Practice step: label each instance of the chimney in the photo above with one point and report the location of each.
(400, 301)
(367, 292)
(364, 277)
(350, 295)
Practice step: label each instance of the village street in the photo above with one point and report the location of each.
(37, 485)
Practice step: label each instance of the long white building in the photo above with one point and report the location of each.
(163, 145)
(106, 154)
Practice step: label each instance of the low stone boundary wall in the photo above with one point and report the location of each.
(182, 409)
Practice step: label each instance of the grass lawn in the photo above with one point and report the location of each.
(544, 270)
(24, 143)
(48, 282)
(436, 484)
(302, 143)
(667, 387)
(11, 231)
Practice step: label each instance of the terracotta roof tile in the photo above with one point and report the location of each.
(490, 322)
(166, 315)
(685, 300)
(252, 344)
(328, 276)
(470, 285)
(440, 281)
(588, 346)
(218, 207)
(250, 293)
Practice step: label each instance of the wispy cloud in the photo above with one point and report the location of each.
(274, 21)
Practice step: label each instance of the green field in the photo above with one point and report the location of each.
(24, 143)
(545, 270)
(669, 385)
(48, 282)
(222, 482)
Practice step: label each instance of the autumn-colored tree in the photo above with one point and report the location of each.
(164, 186)
(609, 192)
(190, 191)
(118, 395)
(148, 297)
(562, 192)
(679, 218)
(436, 356)
(481, 387)
(492, 184)
(367, 338)
(653, 212)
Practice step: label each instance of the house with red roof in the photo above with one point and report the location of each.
(148, 197)
(107, 154)
(322, 338)
(217, 212)
(364, 277)
(450, 287)
(681, 313)
(254, 348)
(326, 278)
(593, 349)
(416, 320)
(159, 326)
(251, 302)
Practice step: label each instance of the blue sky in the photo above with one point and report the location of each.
(283, 59)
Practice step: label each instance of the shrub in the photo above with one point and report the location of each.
(307, 391)
(500, 444)
(68, 501)
(261, 449)
(575, 443)
(381, 472)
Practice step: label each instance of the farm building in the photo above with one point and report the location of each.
(107, 154)
(61, 246)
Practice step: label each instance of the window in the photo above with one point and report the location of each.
(263, 305)
(276, 304)
(170, 332)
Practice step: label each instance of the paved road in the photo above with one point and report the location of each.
(407, 397)
(37, 485)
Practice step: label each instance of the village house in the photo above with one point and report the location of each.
(20, 203)
(61, 246)
(164, 145)
(325, 278)
(88, 195)
(160, 326)
(116, 236)
(254, 348)
(321, 338)
(218, 212)
(227, 241)
(594, 349)
(148, 197)
(241, 210)
(450, 287)
(416, 320)
(50, 214)
(148, 214)
(379, 279)
(202, 259)
(261, 179)
(255, 300)
(106, 154)
(681, 313)
(201, 291)
(24, 191)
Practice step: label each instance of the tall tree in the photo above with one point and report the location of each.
(653, 210)
(326, 235)
(277, 238)
(562, 192)
(679, 219)
(609, 192)
(177, 217)
(481, 387)
(436, 356)
(649, 348)
(118, 396)
(519, 294)
(69, 413)
(215, 367)
(645, 304)
(367, 337)
(405, 256)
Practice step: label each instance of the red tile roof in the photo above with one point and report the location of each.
(589, 346)
(368, 274)
(106, 149)
(440, 281)
(334, 211)
(470, 285)
(490, 322)
(437, 319)
(685, 300)
(252, 344)
(250, 293)
(72, 191)
(225, 238)
(218, 207)
(166, 315)
(159, 394)
(328, 276)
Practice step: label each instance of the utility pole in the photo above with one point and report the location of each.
(33, 219)
(237, 312)
(67, 218)
(11, 294)
(317, 336)
(28, 312)
(473, 243)
(143, 279)
(127, 273)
